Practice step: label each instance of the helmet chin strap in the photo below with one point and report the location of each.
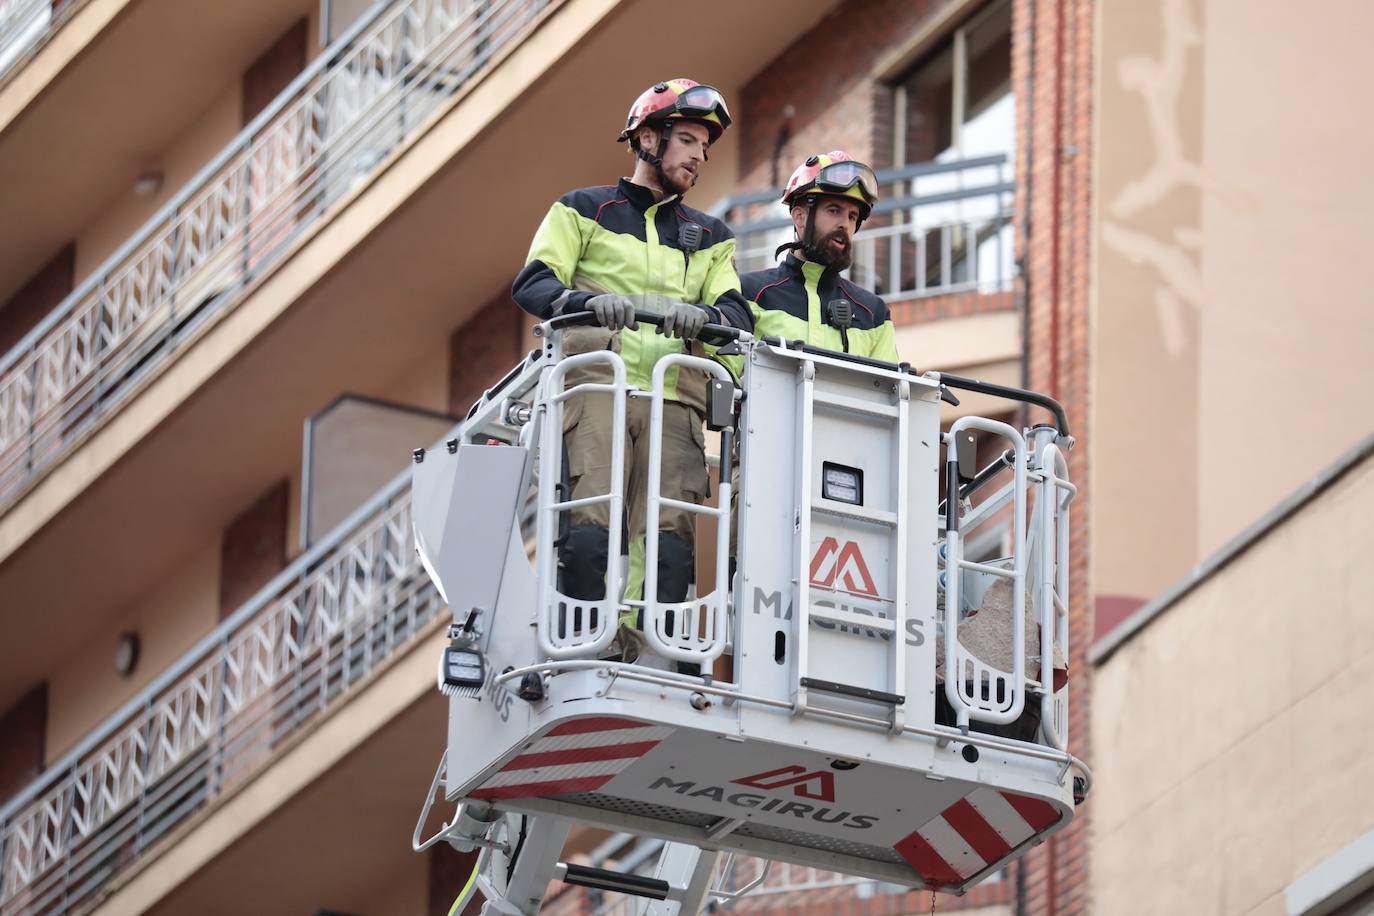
(807, 233)
(655, 159)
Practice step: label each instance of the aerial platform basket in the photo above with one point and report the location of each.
(826, 736)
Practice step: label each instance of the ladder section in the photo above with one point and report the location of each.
(687, 871)
(860, 558)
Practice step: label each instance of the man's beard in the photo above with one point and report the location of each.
(827, 256)
(671, 186)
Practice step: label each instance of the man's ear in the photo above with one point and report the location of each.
(648, 138)
(799, 219)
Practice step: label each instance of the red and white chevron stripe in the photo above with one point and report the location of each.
(578, 756)
(978, 830)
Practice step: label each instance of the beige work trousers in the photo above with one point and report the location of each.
(587, 434)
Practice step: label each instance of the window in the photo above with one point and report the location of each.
(957, 102)
(956, 105)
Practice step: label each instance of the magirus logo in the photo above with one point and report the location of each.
(819, 785)
(842, 569)
(795, 780)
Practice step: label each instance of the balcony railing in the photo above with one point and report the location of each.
(361, 100)
(940, 227)
(294, 652)
(25, 25)
(276, 665)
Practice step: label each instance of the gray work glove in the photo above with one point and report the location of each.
(613, 311)
(685, 321)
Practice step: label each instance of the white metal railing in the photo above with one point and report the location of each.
(202, 726)
(578, 627)
(362, 99)
(785, 885)
(975, 689)
(940, 227)
(24, 24)
(1054, 494)
(294, 651)
(694, 630)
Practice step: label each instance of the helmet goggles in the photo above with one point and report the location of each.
(839, 177)
(704, 102)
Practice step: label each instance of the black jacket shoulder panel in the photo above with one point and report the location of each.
(776, 289)
(752, 283)
(715, 230)
(586, 201)
(868, 301)
(784, 288)
(609, 208)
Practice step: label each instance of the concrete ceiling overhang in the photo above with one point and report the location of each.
(103, 100)
(442, 240)
(324, 822)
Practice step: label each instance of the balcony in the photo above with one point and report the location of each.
(382, 192)
(308, 643)
(940, 249)
(940, 228)
(236, 221)
(122, 77)
(175, 280)
(25, 25)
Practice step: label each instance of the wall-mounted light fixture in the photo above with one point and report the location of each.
(148, 184)
(126, 654)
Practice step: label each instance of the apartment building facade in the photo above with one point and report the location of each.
(1231, 741)
(299, 216)
(227, 222)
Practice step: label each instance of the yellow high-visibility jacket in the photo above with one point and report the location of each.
(619, 239)
(790, 301)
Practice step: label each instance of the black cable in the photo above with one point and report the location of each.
(519, 845)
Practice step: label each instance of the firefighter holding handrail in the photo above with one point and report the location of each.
(609, 251)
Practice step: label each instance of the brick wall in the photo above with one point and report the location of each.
(484, 349)
(253, 548)
(39, 296)
(819, 94)
(24, 727)
(824, 80)
(916, 903)
(950, 305)
(1052, 70)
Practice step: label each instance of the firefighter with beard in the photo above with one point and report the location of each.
(609, 250)
(804, 298)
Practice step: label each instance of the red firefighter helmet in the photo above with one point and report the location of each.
(834, 173)
(679, 99)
